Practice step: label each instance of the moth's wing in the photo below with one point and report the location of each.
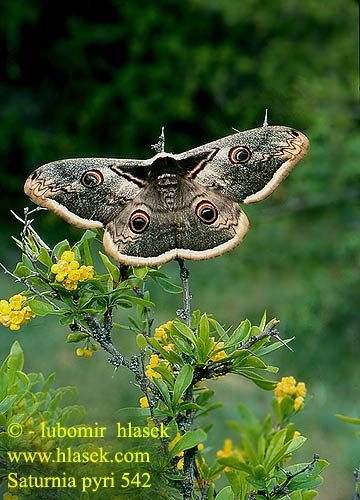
(178, 230)
(86, 191)
(246, 166)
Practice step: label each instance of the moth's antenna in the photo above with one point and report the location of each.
(236, 130)
(266, 123)
(159, 147)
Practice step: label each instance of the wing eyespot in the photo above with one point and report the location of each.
(92, 178)
(239, 154)
(139, 221)
(206, 212)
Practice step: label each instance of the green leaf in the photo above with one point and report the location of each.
(140, 301)
(168, 286)
(309, 494)
(189, 440)
(235, 463)
(60, 247)
(254, 362)
(263, 321)
(27, 262)
(307, 479)
(16, 357)
(240, 334)
(21, 270)
(260, 381)
(182, 345)
(166, 375)
(170, 355)
(41, 308)
(141, 341)
(349, 420)
(140, 272)
(204, 329)
(295, 444)
(182, 382)
(184, 330)
(76, 337)
(84, 245)
(86, 296)
(273, 346)
(112, 269)
(7, 402)
(160, 384)
(225, 494)
(67, 319)
(44, 258)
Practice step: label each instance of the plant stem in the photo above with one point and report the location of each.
(184, 276)
(357, 480)
(187, 487)
(29, 286)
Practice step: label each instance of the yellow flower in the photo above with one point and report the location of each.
(289, 387)
(144, 403)
(218, 355)
(298, 403)
(154, 362)
(5, 320)
(28, 313)
(180, 464)
(68, 271)
(68, 256)
(86, 272)
(285, 387)
(16, 317)
(4, 307)
(61, 267)
(227, 451)
(14, 326)
(13, 313)
(162, 333)
(16, 302)
(74, 275)
(9, 496)
(60, 277)
(70, 285)
(301, 389)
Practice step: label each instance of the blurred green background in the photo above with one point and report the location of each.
(101, 81)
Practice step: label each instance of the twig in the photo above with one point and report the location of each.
(23, 280)
(221, 368)
(188, 422)
(357, 481)
(289, 476)
(27, 225)
(185, 313)
(101, 335)
(270, 330)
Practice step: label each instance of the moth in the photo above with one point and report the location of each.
(172, 205)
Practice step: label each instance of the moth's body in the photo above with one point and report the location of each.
(171, 206)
